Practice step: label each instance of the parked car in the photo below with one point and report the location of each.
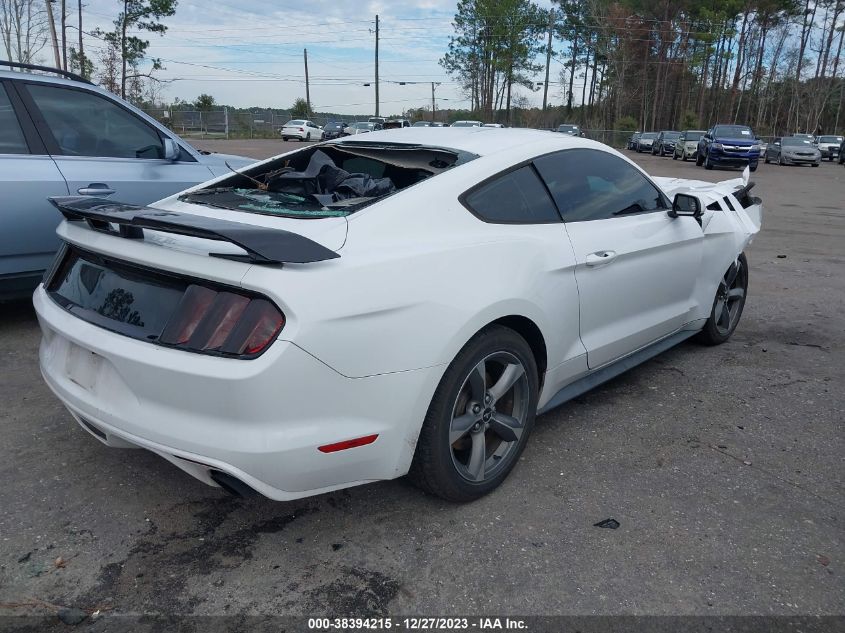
(664, 143)
(379, 120)
(728, 146)
(335, 129)
(632, 140)
(362, 128)
(62, 135)
(829, 146)
(395, 124)
(687, 144)
(498, 125)
(289, 367)
(646, 141)
(424, 124)
(302, 130)
(809, 137)
(569, 128)
(467, 124)
(793, 150)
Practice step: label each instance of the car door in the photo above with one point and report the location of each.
(102, 148)
(27, 177)
(635, 266)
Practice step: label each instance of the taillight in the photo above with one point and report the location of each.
(222, 322)
(302, 129)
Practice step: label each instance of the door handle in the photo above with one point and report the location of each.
(600, 258)
(95, 189)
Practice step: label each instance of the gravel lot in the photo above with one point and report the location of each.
(724, 467)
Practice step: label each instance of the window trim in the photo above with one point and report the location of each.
(665, 199)
(52, 145)
(35, 146)
(530, 162)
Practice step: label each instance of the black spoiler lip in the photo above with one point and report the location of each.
(263, 245)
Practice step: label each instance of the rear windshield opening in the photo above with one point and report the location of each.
(330, 180)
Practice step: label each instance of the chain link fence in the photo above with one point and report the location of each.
(226, 123)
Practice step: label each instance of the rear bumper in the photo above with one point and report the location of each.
(259, 420)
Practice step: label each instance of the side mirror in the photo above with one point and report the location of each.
(685, 205)
(171, 149)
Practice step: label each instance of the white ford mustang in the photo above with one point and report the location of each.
(360, 310)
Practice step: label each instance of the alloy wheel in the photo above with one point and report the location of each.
(729, 299)
(489, 416)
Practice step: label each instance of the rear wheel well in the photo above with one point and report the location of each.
(528, 330)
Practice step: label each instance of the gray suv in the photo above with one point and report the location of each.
(64, 136)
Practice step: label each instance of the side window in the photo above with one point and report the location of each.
(87, 124)
(11, 136)
(517, 197)
(594, 185)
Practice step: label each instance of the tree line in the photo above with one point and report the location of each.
(658, 64)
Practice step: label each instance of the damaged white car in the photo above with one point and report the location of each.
(361, 310)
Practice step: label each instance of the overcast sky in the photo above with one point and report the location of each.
(249, 52)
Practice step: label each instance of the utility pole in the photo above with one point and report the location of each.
(433, 111)
(548, 63)
(81, 54)
(307, 89)
(53, 37)
(376, 64)
(64, 35)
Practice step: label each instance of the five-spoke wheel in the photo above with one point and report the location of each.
(480, 417)
(728, 304)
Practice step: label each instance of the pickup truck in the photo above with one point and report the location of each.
(728, 146)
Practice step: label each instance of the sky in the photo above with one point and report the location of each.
(250, 53)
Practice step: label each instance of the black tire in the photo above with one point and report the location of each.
(707, 163)
(766, 158)
(284, 138)
(714, 331)
(434, 467)
(674, 156)
(752, 167)
(308, 136)
(816, 164)
(699, 160)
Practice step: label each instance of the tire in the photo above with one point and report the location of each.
(753, 167)
(717, 330)
(308, 136)
(780, 160)
(444, 464)
(816, 164)
(698, 160)
(707, 163)
(675, 156)
(766, 158)
(284, 139)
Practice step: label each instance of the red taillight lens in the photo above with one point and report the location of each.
(302, 129)
(347, 444)
(223, 322)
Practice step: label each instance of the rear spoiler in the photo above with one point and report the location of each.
(262, 245)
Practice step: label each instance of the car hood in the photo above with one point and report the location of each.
(219, 160)
(735, 141)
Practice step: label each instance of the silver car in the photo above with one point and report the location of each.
(64, 136)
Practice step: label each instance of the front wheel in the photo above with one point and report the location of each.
(816, 164)
(752, 167)
(728, 304)
(699, 160)
(707, 163)
(479, 419)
